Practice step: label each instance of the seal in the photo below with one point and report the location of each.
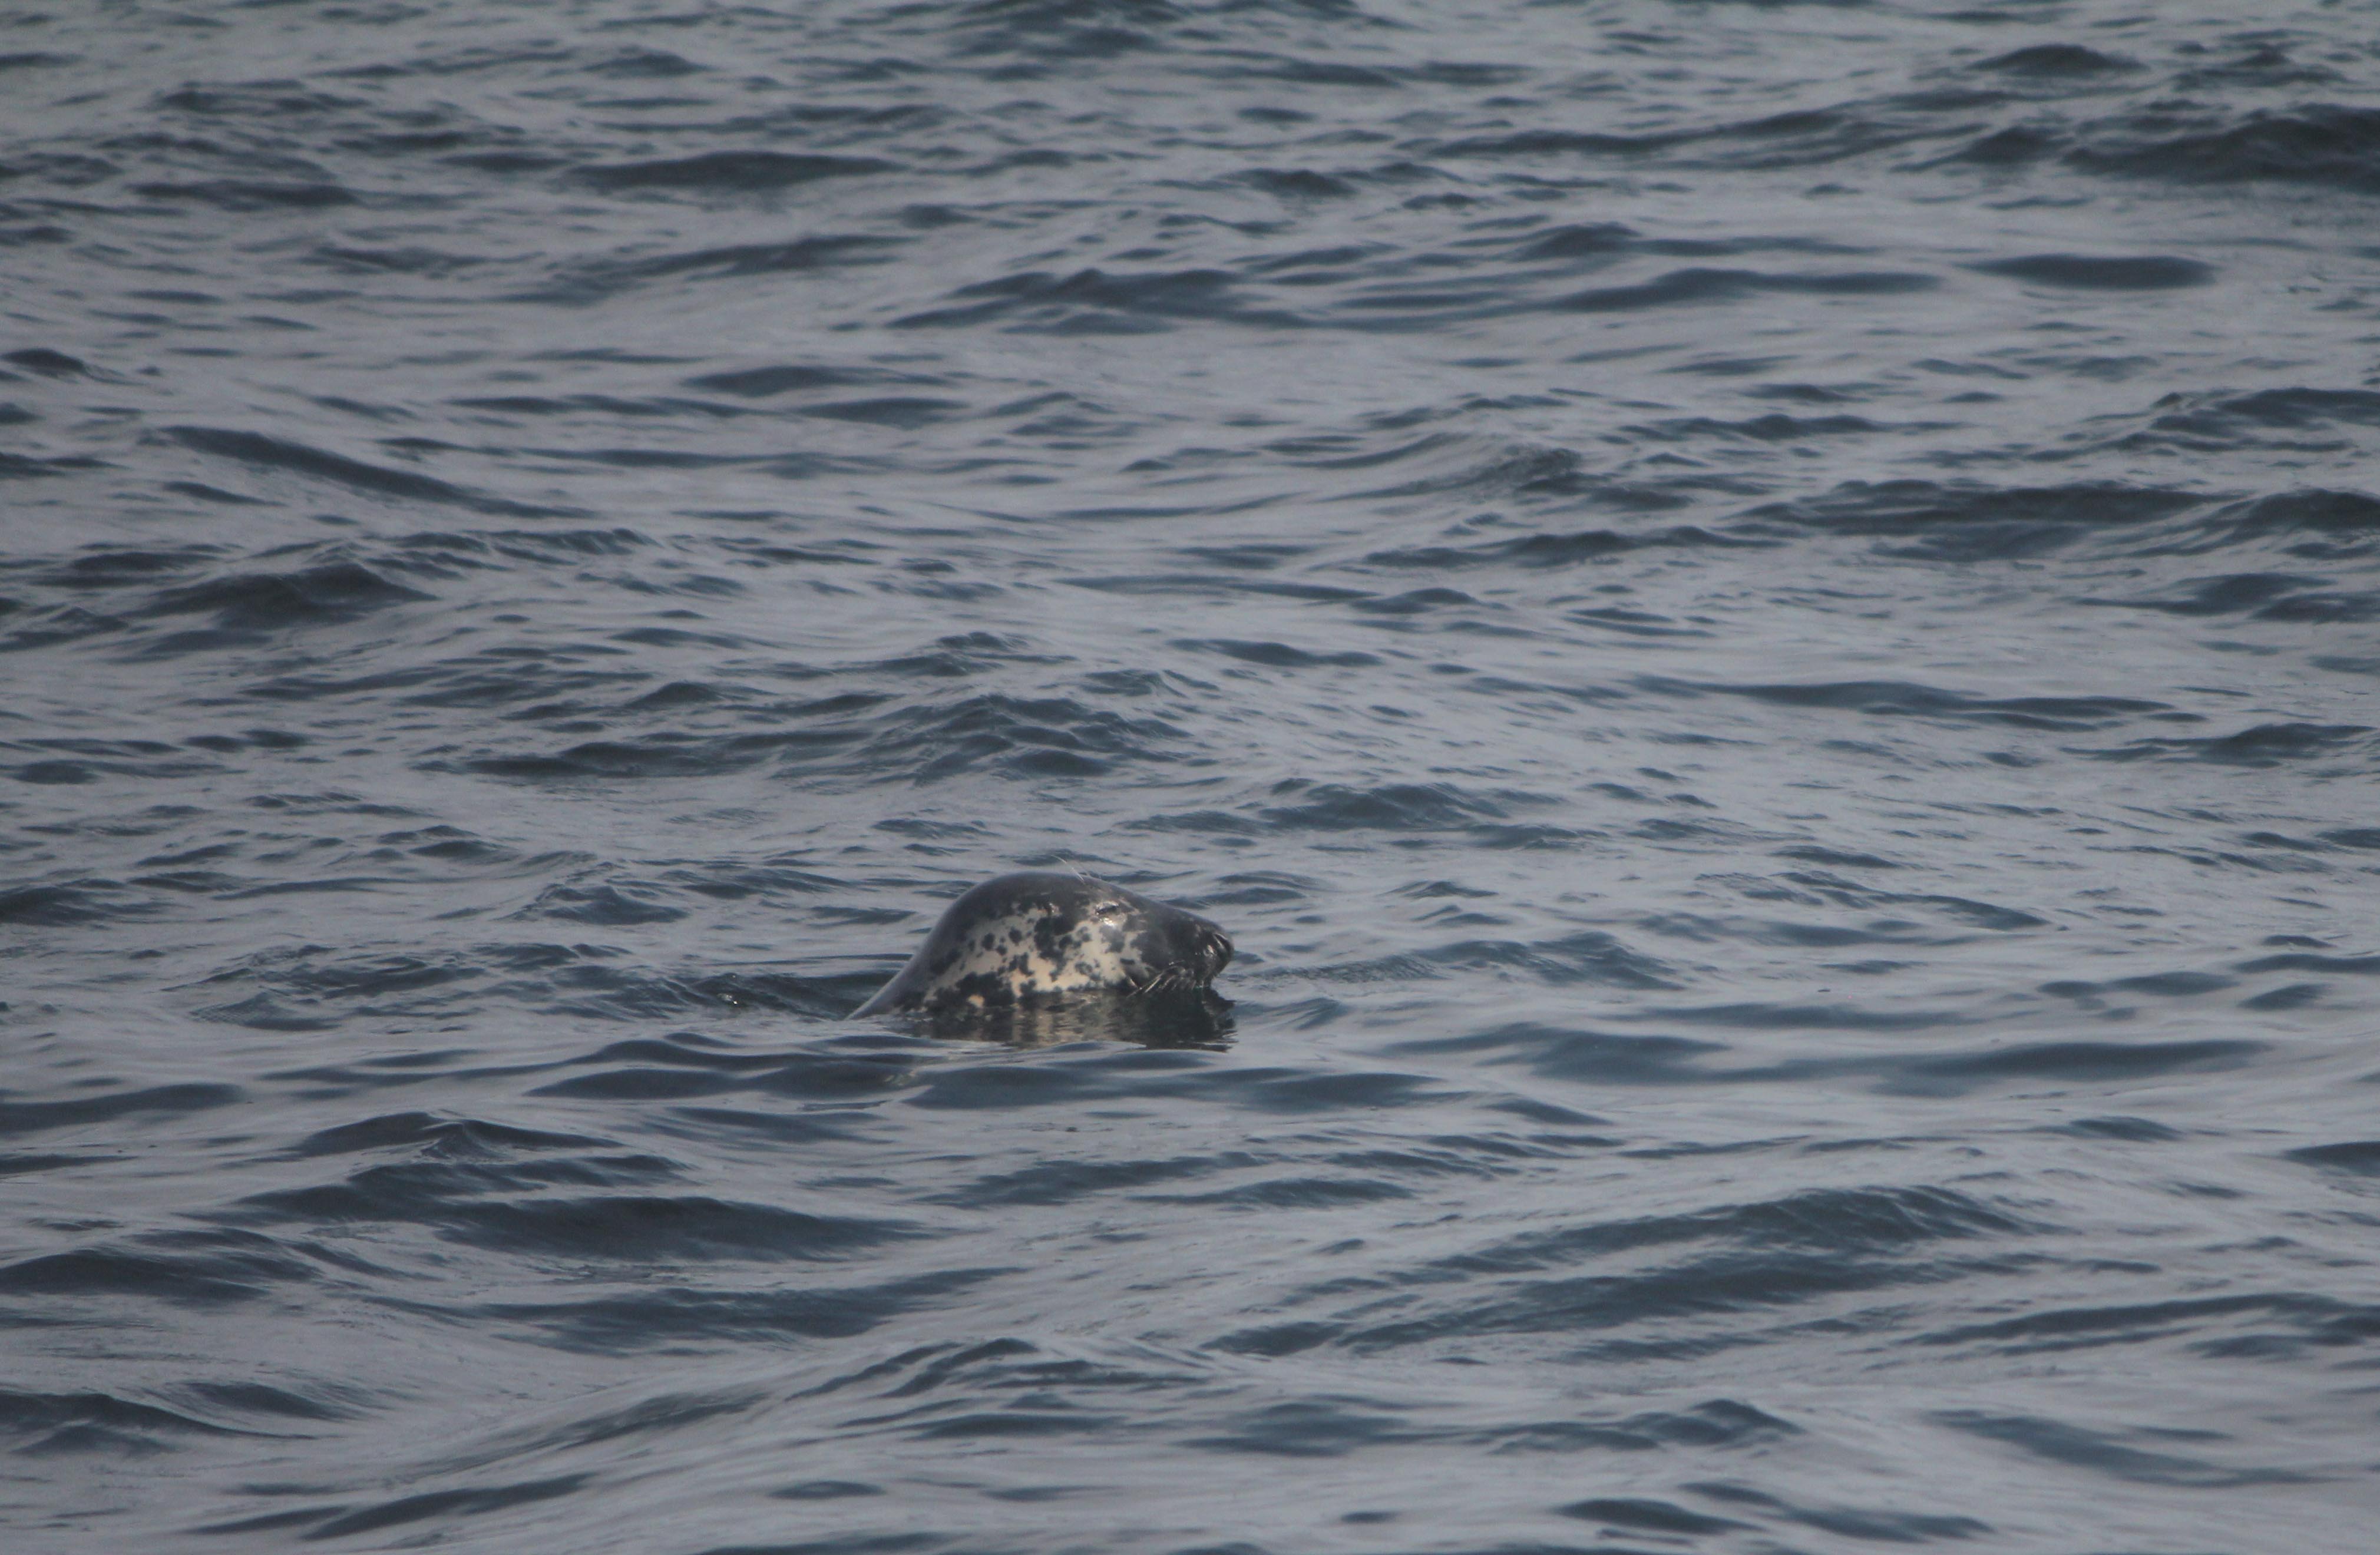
(1040, 936)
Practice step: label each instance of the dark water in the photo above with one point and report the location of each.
(1762, 619)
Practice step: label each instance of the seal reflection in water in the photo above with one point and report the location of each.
(1027, 945)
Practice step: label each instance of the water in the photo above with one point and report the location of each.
(1759, 618)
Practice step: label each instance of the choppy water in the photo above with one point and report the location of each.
(1760, 618)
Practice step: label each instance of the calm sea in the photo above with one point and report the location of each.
(1763, 620)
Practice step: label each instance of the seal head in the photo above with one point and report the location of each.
(1042, 935)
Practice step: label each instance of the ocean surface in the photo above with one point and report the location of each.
(1762, 619)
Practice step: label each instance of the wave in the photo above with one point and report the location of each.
(201, 1268)
(51, 1425)
(2314, 525)
(586, 280)
(1707, 286)
(1097, 301)
(2262, 745)
(1552, 550)
(1785, 1252)
(249, 194)
(2056, 61)
(1585, 957)
(261, 451)
(1931, 520)
(343, 1521)
(2329, 145)
(1893, 699)
(249, 602)
(2263, 596)
(1611, 1057)
(2096, 272)
(731, 171)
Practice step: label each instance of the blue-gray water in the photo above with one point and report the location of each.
(1762, 620)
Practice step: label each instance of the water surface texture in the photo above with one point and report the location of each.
(1762, 619)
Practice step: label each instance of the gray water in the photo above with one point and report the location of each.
(1760, 619)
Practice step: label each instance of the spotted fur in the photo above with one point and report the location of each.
(1040, 936)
